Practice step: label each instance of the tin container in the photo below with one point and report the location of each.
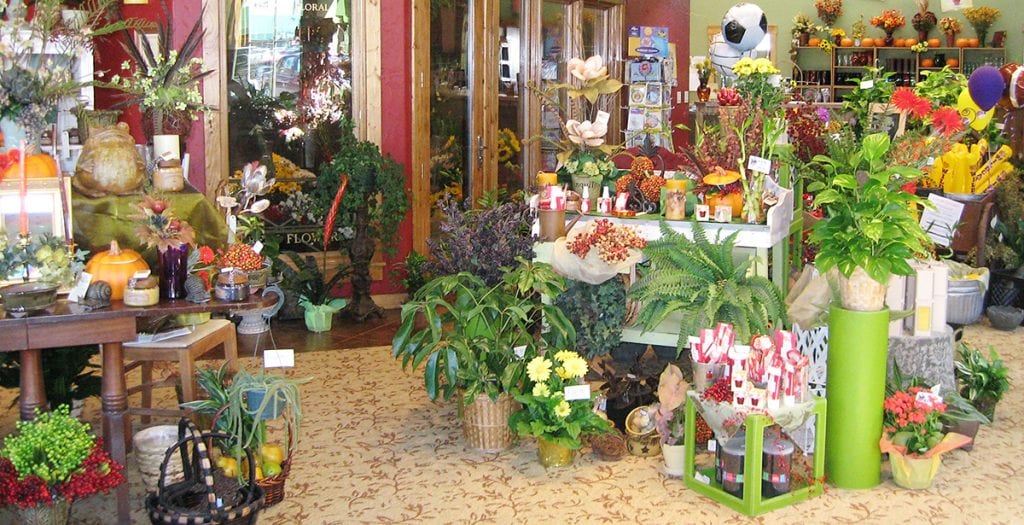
(142, 291)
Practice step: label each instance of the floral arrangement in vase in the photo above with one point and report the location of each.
(803, 26)
(172, 237)
(584, 150)
(757, 81)
(551, 412)
(858, 30)
(52, 462)
(950, 27)
(247, 198)
(889, 21)
(981, 19)
(924, 20)
(162, 82)
(829, 10)
(32, 84)
(913, 437)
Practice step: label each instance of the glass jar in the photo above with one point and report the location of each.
(169, 176)
(142, 291)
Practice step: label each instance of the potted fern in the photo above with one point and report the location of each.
(701, 281)
(870, 229)
(477, 338)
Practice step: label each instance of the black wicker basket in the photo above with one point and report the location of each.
(205, 495)
(1005, 289)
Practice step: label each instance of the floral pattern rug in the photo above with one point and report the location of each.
(376, 450)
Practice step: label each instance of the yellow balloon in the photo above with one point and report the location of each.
(976, 118)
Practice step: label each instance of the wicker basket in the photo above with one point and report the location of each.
(860, 292)
(194, 500)
(485, 422)
(151, 445)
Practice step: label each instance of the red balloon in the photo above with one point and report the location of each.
(1013, 94)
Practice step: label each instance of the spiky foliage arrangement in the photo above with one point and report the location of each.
(701, 280)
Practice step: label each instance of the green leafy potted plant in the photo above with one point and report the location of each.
(370, 209)
(870, 230)
(305, 284)
(597, 312)
(983, 382)
(701, 281)
(472, 333)
(550, 413)
(240, 407)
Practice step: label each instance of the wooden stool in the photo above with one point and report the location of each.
(185, 350)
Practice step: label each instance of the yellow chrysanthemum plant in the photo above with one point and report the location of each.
(557, 404)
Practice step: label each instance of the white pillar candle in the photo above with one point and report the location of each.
(166, 147)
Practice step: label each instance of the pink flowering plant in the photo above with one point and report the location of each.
(912, 419)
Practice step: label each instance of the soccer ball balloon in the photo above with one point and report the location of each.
(723, 56)
(744, 26)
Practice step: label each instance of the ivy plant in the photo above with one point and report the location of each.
(597, 311)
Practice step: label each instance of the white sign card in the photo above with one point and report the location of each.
(577, 392)
(81, 286)
(940, 222)
(283, 358)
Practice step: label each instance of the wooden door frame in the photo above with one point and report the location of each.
(366, 83)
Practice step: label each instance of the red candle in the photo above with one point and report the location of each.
(23, 215)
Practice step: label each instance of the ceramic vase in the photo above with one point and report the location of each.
(889, 39)
(553, 455)
(675, 458)
(173, 271)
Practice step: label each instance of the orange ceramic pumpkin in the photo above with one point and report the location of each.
(813, 41)
(910, 42)
(115, 266)
(867, 42)
(37, 166)
(952, 62)
(846, 42)
(734, 199)
(973, 42)
(963, 42)
(927, 62)
(934, 42)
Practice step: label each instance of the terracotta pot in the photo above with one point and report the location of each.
(804, 38)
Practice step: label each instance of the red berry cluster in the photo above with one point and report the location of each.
(242, 257)
(702, 433)
(24, 493)
(612, 241)
(98, 473)
(719, 391)
(728, 97)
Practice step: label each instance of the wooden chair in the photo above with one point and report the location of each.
(185, 350)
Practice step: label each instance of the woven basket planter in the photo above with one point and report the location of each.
(485, 422)
(860, 292)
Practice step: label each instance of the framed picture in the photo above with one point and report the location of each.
(885, 118)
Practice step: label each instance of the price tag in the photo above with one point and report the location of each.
(519, 351)
(759, 164)
(141, 274)
(577, 392)
(232, 223)
(81, 286)
(867, 84)
(257, 247)
(701, 478)
(284, 358)
(712, 445)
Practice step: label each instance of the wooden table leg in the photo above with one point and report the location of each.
(114, 399)
(33, 391)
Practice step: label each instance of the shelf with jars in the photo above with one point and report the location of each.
(829, 75)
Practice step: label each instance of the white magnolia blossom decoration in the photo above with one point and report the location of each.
(588, 69)
(588, 133)
(254, 184)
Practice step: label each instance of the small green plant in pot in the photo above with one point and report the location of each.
(870, 230)
(477, 335)
(304, 279)
(983, 382)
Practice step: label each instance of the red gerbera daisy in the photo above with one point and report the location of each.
(905, 99)
(947, 121)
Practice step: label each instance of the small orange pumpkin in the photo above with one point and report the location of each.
(934, 42)
(813, 41)
(973, 42)
(734, 199)
(927, 62)
(910, 42)
(116, 266)
(867, 42)
(900, 42)
(37, 166)
(963, 42)
(846, 42)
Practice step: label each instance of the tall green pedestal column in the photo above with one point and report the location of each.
(855, 389)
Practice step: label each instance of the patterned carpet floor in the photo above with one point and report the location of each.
(376, 450)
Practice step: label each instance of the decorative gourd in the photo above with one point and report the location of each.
(37, 166)
(734, 199)
(116, 266)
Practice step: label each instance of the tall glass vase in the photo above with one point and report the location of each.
(56, 514)
(173, 271)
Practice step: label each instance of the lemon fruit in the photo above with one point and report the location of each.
(272, 453)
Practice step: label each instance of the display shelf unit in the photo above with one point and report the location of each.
(832, 75)
(753, 503)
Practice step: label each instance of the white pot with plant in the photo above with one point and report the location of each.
(670, 419)
(870, 230)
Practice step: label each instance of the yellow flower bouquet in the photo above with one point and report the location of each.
(549, 412)
(981, 19)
